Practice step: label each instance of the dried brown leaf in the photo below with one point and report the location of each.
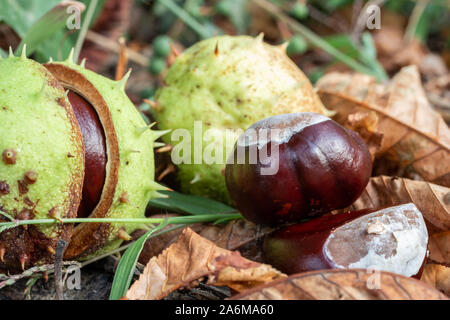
(414, 136)
(241, 235)
(437, 276)
(193, 257)
(431, 199)
(343, 284)
(439, 248)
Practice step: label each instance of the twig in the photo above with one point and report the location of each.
(356, 11)
(7, 280)
(361, 22)
(326, 19)
(123, 59)
(59, 285)
(113, 46)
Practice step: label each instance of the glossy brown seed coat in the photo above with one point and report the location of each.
(95, 153)
(321, 167)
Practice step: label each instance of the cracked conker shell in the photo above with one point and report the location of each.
(38, 123)
(318, 165)
(49, 174)
(392, 239)
(129, 154)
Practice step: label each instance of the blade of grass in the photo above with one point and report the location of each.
(190, 204)
(127, 264)
(203, 32)
(173, 220)
(369, 56)
(84, 29)
(315, 40)
(48, 25)
(414, 20)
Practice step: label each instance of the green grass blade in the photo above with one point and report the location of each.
(21, 15)
(127, 265)
(369, 56)
(316, 40)
(190, 204)
(187, 18)
(84, 28)
(47, 26)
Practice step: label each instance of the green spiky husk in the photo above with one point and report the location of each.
(31, 116)
(228, 82)
(136, 170)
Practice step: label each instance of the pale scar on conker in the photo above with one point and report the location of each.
(392, 239)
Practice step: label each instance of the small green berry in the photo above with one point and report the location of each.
(148, 92)
(223, 7)
(299, 11)
(297, 45)
(157, 65)
(161, 46)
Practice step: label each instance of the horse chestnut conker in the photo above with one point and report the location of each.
(227, 82)
(95, 153)
(72, 145)
(292, 166)
(392, 239)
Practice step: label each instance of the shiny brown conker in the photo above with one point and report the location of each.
(95, 153)
(293, 166)
(391, 239)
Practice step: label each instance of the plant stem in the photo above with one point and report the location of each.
(171, 220)
(84, 29)
(186, 18)
(414, 19)
(314, 39)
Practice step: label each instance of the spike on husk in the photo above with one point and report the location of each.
(71, 56)
(159, 133)
(283, 46)
(24, 51)
(123, 82)
(147, 128)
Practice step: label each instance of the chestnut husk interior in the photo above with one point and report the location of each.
(88, 237)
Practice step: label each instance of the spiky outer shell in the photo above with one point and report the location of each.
(38, 125)
(228, 82)
(130, 164)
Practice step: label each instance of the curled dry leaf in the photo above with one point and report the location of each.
(343, 284)
(431, 199)
(437, 276)
(241, 235)
(193, 257)
(439, 248)
(414, 136)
